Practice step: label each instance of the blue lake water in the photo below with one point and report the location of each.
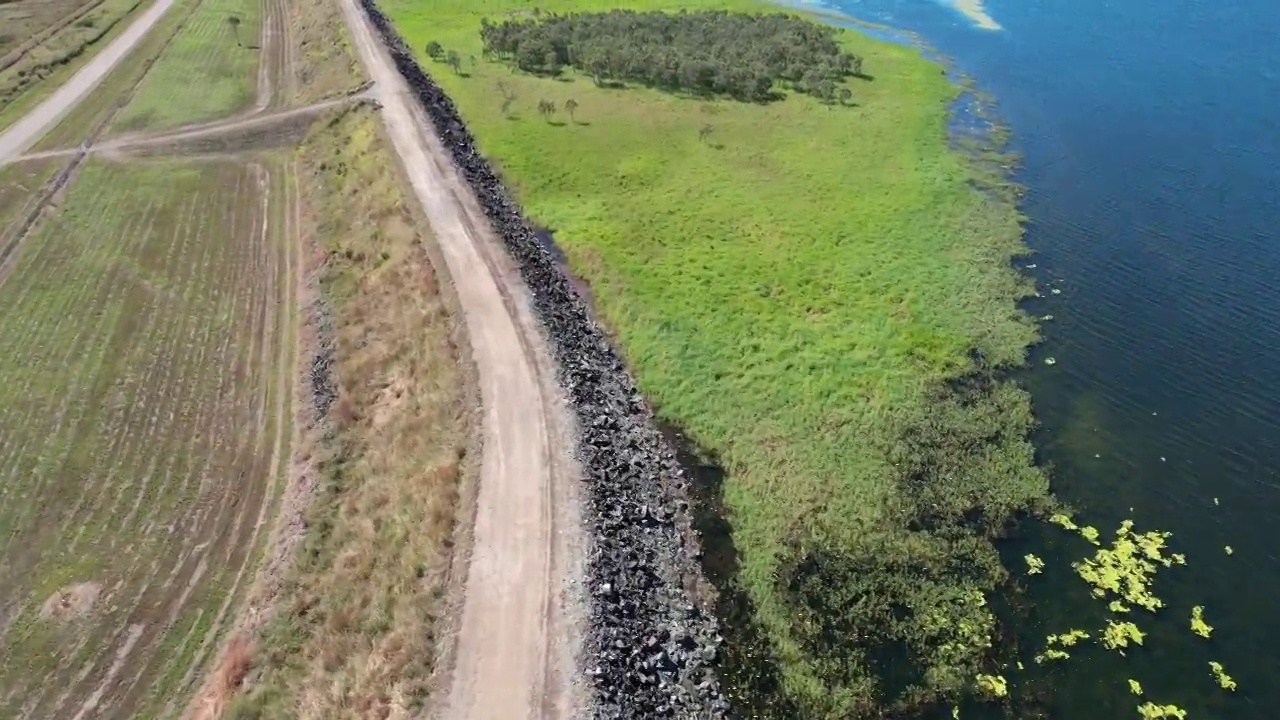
(1150, 135)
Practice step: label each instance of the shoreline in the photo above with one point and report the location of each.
(977, 13)
(864, 399)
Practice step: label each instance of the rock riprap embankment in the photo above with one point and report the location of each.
(651, 647)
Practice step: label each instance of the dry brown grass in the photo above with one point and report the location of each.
(354, 626)
(236, 661)
(324, 61)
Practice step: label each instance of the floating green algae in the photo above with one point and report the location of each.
(1224, 680)
(1119, 635)
(1198, 625)
(994, 686)
(1035, 565)
(1152, 711)
(1125, 570)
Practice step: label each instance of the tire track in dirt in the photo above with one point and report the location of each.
(513, 655)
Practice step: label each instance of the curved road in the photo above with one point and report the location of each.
(27, 132)
(513, 654)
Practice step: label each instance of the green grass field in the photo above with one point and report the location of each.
(95, 113)
(204, 74)
(794, 291)
(142, 431)
(20, 186)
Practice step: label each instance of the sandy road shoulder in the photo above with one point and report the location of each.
(513, 653)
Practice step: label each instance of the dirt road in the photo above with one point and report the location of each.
(27, 132)
(512, 657)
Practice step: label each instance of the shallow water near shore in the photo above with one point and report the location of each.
(1148, 131)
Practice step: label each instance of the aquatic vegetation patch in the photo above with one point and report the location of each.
(1125, 570)
(1119, 635)
(1223, 679)
(993, 686)
(1198, 624)
(1035, 565)
(1152, 711)
(1065, 640)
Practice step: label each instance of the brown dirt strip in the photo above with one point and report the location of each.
(228, 135)
(513, 656)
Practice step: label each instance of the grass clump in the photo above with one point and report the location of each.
(355, 621)
(824, 300)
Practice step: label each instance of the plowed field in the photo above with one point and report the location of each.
(143, 424)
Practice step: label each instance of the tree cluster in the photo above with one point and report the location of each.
(449, 57)
(705, 53)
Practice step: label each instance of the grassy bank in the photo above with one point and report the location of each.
(39, 72)
(818, 295)
(354, 625)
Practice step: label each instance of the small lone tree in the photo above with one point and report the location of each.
(546, 108)
(705, 133)
(434, 50)
(845, 95)
(570, 106)
(234, 22)
(454, 61)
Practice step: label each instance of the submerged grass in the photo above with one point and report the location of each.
(354, 626)
(821, 297)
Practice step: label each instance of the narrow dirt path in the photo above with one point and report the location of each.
(222, 129)
(33, 126)
(513, 653)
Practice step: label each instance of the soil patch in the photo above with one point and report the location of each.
(71, 602)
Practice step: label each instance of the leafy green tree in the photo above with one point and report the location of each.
(454, 61)
(708, 53)
(434, 50)
(570, 106)
(845, 95)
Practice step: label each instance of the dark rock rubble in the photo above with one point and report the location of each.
(651, 647)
